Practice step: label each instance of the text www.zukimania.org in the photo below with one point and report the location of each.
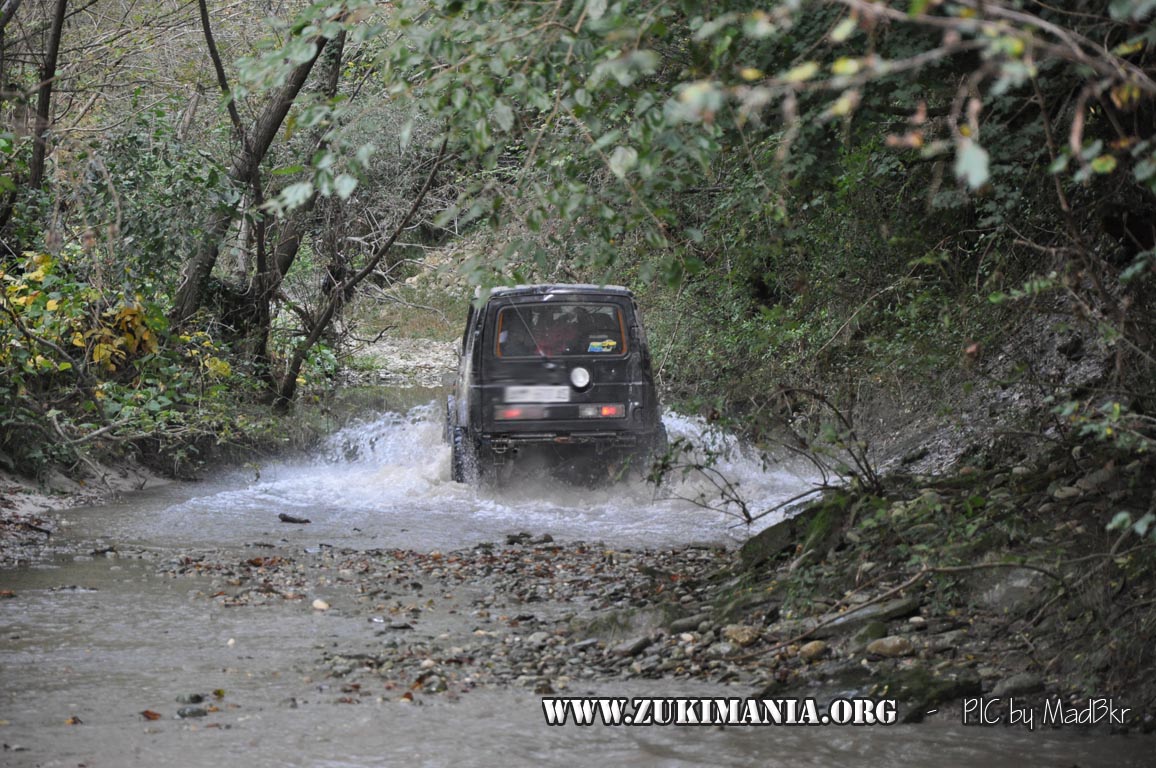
(717, 711)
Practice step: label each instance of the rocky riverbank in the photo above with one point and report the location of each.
(1027, 596)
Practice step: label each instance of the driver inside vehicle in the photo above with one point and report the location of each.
(567, 332)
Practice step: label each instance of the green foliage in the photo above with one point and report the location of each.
(81, 366)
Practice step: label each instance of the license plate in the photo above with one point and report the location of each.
(538, 394)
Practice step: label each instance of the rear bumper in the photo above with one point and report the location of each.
(501, 442)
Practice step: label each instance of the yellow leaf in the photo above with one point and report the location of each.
(845, 66)
(845, 104)
(751, 73)
(1125, 95)
(78, 339)
(52, 305)
(843, 29)
(802, 73)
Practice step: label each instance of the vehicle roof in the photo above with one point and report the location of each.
(540, 289)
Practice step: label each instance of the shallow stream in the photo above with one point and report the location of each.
(97, 635)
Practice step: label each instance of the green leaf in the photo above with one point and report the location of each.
(917, 7)
(971, 164)
(344, 185)
(297, 194)
(503, 115)
(622, 160)
(1104, 164)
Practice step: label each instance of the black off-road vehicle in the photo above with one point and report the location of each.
(553, 373)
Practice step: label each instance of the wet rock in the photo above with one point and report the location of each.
(720, 650)
(741, 635)
(1016, 685)
(873, 630)
(1015, 592)
(947, 641)
(434, 684)
(768, 543)
(538, 639)
(190, 698)
(915, 455)
(1066, 492)
(921, 691)
(688, 623)
(186, 712)
(890, 647)
(1097, 479)
(633, 647)
(849, 622)
(812, 650)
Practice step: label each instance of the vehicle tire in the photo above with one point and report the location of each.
(459, 456)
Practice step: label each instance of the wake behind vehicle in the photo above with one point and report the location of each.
(558, 374)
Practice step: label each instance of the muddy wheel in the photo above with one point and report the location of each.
(459, 457)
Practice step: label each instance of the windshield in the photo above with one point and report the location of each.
(558, 329)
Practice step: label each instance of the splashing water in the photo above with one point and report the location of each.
(385, 482)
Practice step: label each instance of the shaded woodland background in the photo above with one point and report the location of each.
(201, 203)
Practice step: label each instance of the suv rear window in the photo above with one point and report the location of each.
(560, 329)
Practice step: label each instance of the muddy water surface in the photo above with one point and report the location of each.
(95, 638)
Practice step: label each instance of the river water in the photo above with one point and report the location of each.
(92, 639)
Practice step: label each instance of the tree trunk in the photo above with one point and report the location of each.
(195, 272)
(289, 384)
(44, 98)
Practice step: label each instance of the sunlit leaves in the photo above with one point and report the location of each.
(802, 72)
(595, 9)
(622, 161)
(344, 185)
(843, 30)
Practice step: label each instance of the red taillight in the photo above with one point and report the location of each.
(602, 411)
(519, 412)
